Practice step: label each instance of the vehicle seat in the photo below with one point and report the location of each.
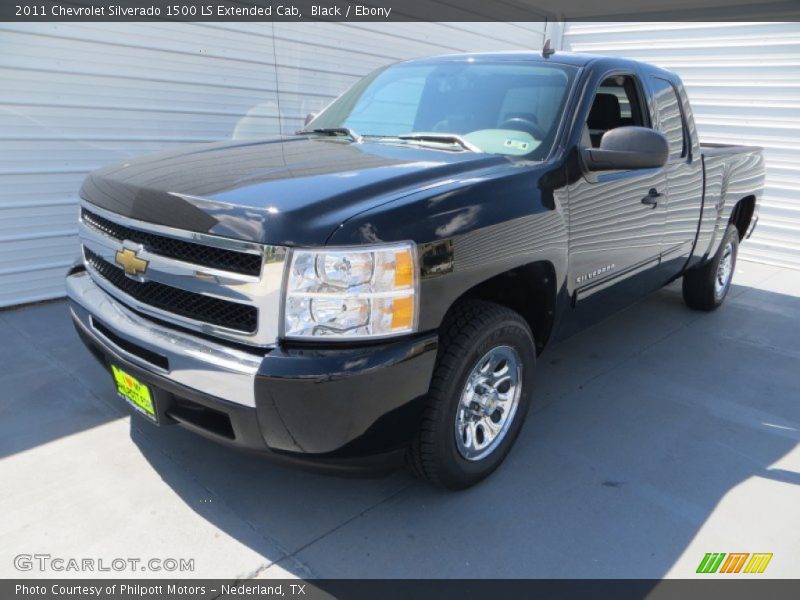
(605, 115)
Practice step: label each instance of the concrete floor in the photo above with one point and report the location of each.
(657, 436)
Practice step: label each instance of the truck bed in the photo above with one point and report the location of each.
(731, 173)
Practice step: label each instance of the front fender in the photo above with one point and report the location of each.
(469, 232)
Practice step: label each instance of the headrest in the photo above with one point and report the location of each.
(605, 113)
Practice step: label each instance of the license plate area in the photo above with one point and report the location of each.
(138, 395)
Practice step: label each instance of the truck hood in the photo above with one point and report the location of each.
(289, 191)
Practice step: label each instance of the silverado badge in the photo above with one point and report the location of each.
(130, 261)
(595, 273)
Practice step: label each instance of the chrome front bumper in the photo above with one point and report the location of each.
(197, 363)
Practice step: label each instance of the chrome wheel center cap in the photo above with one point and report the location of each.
(487, 397)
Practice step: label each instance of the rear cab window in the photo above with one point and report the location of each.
(671, 121)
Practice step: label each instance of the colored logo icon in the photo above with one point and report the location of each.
(734, 562)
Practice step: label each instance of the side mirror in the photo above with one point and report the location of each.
(309, 117)
(628, 148)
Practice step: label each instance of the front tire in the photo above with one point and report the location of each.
(706, 287)
(479, 395)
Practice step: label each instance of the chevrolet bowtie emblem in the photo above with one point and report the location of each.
(128, 260)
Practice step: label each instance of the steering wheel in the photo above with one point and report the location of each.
(521, 124)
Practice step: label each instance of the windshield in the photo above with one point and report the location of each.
(503, 107)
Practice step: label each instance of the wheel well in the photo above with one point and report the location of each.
(529, 290)
(742, 214)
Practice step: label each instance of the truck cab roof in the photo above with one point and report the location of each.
(564, 58)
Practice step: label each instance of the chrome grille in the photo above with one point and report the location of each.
(218, 258)
(218, 286)
(186, 304)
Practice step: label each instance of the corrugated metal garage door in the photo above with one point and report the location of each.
(743, 80)
(75, 97)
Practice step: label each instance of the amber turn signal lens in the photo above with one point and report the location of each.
(403, 270)
(402, 312)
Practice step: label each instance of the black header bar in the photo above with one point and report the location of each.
(399, 589)
(398, 10)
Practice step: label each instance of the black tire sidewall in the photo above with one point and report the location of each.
(458, 471)
(699, 283)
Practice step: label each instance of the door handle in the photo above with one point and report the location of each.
(652, 197)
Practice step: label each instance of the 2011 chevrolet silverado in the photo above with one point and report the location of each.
(378, 286)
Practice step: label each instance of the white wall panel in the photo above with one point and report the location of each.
(75, 97)
(743, 80)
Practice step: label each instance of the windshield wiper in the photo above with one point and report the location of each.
(444, 138)
(332, 131)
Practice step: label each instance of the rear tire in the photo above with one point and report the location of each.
(478, 398)
(705, 287)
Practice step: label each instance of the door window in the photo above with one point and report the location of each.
(616, 104)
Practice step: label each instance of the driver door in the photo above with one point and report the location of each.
(616, 218)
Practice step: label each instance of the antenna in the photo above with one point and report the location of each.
(547, 51)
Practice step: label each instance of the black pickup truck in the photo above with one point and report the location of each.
(377, 287)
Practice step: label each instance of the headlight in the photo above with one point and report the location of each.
(362, 292)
